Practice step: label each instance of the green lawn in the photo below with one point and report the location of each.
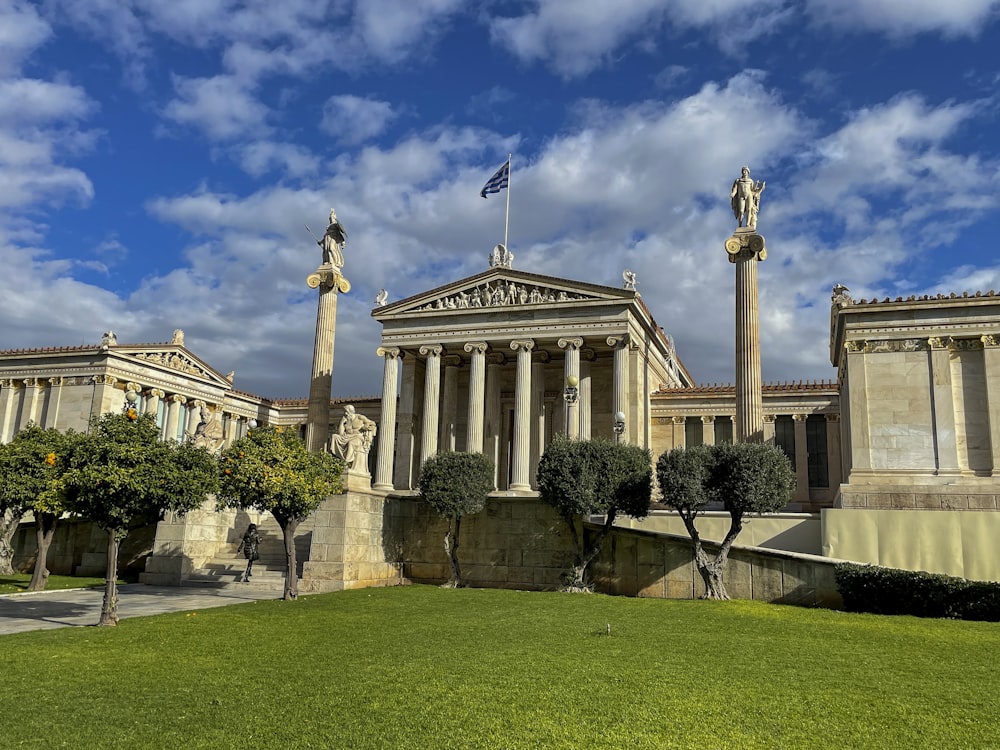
(419, 667)
(19, 582)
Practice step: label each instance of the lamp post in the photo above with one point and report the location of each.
(571, 395)
(131, 397)
(619, 426)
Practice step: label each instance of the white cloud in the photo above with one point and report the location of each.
(260, 157)
(22, 30)
(899, 18)
(220, 106)
(353, 119)
(32, 102)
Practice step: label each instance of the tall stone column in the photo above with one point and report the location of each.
(329, 281)
(432, 389)
(746, 248)
(586, 390)
(55, 398)
(768, 429)
(571, 372)
(232, 429)
(449, 402)
(520, 481)
(153, 396)
(708, 429)
(33, 388)
(834, 464)
(194, 415)
(491, 416)
(944, 428)
(406, 438)
(538, 412)
(477, 396)
(801, 459)
(991, 366)
(680, 431)
(387, 426)
(619, 400)
(8, 397)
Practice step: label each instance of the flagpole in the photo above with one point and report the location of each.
(506, 219)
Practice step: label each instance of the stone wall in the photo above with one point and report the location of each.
(649, 564)
(80, 547)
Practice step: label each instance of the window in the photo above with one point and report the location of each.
(694, 432)
(816, 447)
(784, 435)
(723, 430)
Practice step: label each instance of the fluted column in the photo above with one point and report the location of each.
(571, 372)
(538, 412)
(173, 416)
(8, 397)
(586, 391)
(387, 425)
(522, 415)
(329, 281)
(55, 399)
(29, 407)
(153, 396)
(749, 427)
(801, 459)
(432, 389)
(491, 417)
(477, 396)
(232, 429)
(834, 463)
(194, 415)
(620, 388)
(449, 402)
(708, 429)
(991, 362)
(768, 428)
(680, 431)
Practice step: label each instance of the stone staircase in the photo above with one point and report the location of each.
(226, 568)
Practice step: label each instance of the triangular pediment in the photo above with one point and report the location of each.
(173, 357)
(499, 288)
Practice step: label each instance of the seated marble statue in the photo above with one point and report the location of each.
(353, 439)
(208, 433)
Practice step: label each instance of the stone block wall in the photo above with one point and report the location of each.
(649, 564)
(185, 543)
(79, 547)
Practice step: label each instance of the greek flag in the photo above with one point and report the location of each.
(497, 182)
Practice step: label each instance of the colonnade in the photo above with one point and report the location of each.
(440, 410)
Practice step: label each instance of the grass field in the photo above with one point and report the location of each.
(19, 582)
(420, 667)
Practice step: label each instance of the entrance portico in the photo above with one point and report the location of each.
(507, 342)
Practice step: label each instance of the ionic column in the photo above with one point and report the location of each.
(194, 416)
(477, 396)
(387, 422)
(29, 407)
(232, 429)
(491, 417)
(55, 398)
(449, 402)
(403, 473)
(769, 429)
(520, 479)
(801, 459)
(708, 430)
(173, 416)
(620, 398)
(8, 397)
(571, 370)
(432, 389)
(834, 464)
(680, 433)
(586, 357)
(153, 396)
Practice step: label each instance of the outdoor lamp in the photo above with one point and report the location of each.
(252, 424)
(619, 422)
(572, 391)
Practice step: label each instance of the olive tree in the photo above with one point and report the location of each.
(593, 477)
(270, 470)
(745, 478)
(122, 475)
(456, 485)
(30, 468)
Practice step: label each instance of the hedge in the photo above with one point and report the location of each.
(888, 591)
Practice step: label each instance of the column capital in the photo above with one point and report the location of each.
(103, 379)
(990, 340)
(938, 342)
(476, 347)
(133, 387)
(708, 419)
(451, 360)
(34, 382)
(618, 342)
(155, 393)
(854, 347)
(198, 404)
(800, 417)
(8, 383)
(57, 381)
(769, 417)
(570, 342)
(431, 350)
(519, 345)
(495, 358)
(389, 352)
(679, 420)
(178, 398)
(832, 417)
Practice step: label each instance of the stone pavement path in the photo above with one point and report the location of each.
(75, 607)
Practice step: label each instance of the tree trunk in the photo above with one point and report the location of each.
(45, 529)
(573, 580)
(451, 549)
(8, 527)
(711, 574)
(109, 607)
(292, 573)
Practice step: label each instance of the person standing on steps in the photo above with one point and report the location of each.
(250, 546)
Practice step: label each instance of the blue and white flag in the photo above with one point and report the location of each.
(497, 182)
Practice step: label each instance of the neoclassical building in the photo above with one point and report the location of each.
(896, 460)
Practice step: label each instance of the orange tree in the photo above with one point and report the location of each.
(30, 468)
(270, 470)
(122, 475)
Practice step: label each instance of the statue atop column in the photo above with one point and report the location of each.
(745, 199)
(333, 242)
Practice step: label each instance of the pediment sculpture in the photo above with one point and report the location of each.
(501, 293)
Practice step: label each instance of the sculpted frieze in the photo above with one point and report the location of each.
(174, 361)
(895, 345)
(501, 294)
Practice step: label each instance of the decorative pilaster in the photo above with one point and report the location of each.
(387, 426)
(680, 433)
(32, 390)
(834, 463)
(620, 388)
(55, 399)
(769, 429)
(8, 399)
(991, 366)
(571, 373)
(477, 396)
(708, 429)
(944, 427)
(432, 392)
(522, 415)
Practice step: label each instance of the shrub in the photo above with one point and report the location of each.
(888, 591)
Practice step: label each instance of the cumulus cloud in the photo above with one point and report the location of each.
(219, 106)
(901, 18)
(353, 119)
(21, 31)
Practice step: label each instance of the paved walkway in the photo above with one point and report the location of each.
(79, 607)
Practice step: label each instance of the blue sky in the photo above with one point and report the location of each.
(158, 162)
